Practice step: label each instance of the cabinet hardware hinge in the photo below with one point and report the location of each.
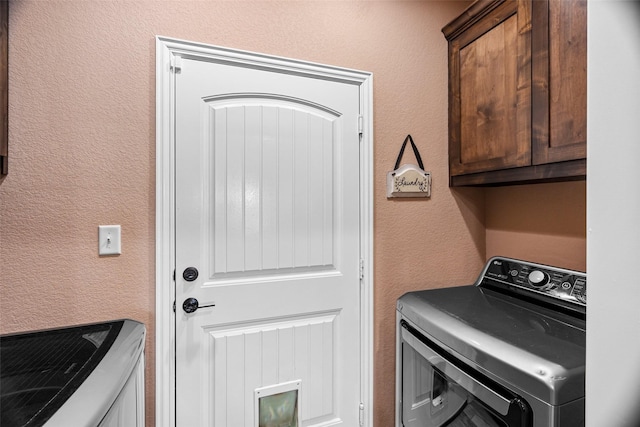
(174, 306)
(360, 125)
(361, 416)
(176, 64)
(361, 269)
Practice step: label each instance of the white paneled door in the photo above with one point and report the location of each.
(267, 229)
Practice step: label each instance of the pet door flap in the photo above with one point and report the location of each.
(278, 405)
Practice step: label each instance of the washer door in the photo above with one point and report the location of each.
(438, 390)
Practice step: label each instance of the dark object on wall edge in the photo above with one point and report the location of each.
(4, 86)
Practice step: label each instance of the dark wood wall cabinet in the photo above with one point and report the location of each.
(517, 92)
(4, 87)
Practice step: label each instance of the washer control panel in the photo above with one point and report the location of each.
(553, 282)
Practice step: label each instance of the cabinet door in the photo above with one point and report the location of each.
(4, 87)
(559, 70)
(490, 91)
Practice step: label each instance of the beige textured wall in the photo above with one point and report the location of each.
(82, 120)
(82, 152)
(545, 223)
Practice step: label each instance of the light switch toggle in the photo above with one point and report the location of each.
(109, 240)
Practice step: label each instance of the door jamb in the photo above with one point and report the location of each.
(168, 54)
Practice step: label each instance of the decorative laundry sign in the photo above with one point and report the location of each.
(409, 180)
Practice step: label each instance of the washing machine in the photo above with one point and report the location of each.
(507, 350)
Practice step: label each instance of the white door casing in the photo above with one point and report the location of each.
(279, 213)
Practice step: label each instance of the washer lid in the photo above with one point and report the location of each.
(529, 348)
(53, 376)
(41, 370)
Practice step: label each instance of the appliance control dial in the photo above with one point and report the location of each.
(560, 286)
(538, 278)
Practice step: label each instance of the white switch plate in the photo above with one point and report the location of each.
(109, 241)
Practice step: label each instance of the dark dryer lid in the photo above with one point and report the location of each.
(39, 371)
(530, 347)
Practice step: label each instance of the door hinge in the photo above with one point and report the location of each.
(361, 416)
(360, 125)
(176, 64)
(361, 269)
(174, 306)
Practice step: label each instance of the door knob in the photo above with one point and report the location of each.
(190, 305)
(190, 274)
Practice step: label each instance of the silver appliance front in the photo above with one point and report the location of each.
(508, 350)
(437, 390)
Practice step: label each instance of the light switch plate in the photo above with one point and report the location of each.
(109, 240)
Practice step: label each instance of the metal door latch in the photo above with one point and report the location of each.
(190, 305)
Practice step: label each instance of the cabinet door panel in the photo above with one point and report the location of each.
(560, 80)
(487, 97)
(490, 116)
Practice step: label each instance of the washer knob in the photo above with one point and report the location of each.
(538, 278)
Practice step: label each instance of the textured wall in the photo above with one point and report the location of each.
(82, 120)
(82, 144)
(545, 223)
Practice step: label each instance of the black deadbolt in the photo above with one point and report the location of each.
(190, 274)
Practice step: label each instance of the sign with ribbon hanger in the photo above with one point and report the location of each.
(408, 180)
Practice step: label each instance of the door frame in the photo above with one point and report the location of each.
(169, 52)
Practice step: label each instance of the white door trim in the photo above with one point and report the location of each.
(168, 54)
